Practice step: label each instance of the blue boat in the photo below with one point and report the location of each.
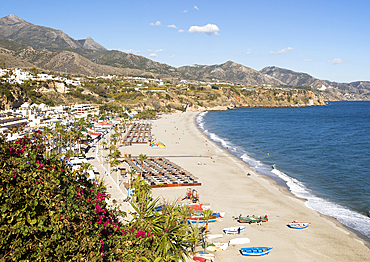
(201, 220)
(255, 251)
(233, 230)
(298, 225)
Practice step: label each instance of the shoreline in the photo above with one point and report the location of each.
(279, 182)
(226, 186)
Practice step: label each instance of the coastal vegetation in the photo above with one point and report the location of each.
(53, 213)
(148, 98)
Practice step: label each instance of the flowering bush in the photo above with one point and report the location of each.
(51, 213)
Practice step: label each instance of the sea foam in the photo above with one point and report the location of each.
(347, 217)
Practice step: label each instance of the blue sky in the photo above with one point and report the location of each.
(326, 39)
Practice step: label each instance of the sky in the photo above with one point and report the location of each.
(328, 39)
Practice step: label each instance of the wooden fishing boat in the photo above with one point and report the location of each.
(201, 220)
(253, 219)
(233, 230)
(199, 259)
(201, 213)
(238, 241)
(298, 225)
(214, 236)
(255, 251)
(204, 255)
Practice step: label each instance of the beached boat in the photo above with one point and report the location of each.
(199, 259)
(233, 230)
(204, 255)
(201, 220)
(253, 219)
(217, 246)
(201, 213)
(298, 225)
(255, 251)
(214, 236)
(239, 241)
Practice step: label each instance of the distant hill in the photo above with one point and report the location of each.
(332, 90)
(25, 44)
(43, 46)
(38, 37)
(292, 78)
(229, 72)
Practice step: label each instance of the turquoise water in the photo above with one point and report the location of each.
(321, 154)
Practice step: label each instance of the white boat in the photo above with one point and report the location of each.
(217, 247)
(298, 225)
(238, 241)
(215, 236)
(233, 230)
(206, 255)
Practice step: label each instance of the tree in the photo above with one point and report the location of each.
(104, 144)
(171, 237)
(142, 158)
(207, 214)
(196, 235)
(131, 172)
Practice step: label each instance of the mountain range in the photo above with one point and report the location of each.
(25, 45)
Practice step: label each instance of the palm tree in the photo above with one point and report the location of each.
(142, 158)
(173, 239)
(184, 213)
(207, 214)
(195, 233)
(131, 172)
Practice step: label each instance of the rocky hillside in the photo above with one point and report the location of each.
(330, 90)
(229, 72)
(12, 96)
(42, 46)
(38, 37)
(23, 44)
(89, 43)
(292, 78)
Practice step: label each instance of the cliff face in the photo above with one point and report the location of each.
(12, 96)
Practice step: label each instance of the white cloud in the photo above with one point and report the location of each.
(307, 60)
(181, 31)
(149, 50)
(282, 51)
(130, 51)
(172, 26)
(249, 51)
(158, 50)
(156, 23)
(185, 11)
(153, 55)
(336, 61)
(172, 56)
(196, 7)
(209, 29)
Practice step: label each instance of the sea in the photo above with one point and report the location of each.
(320, 153)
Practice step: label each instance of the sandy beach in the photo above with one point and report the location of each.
(228, 188)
